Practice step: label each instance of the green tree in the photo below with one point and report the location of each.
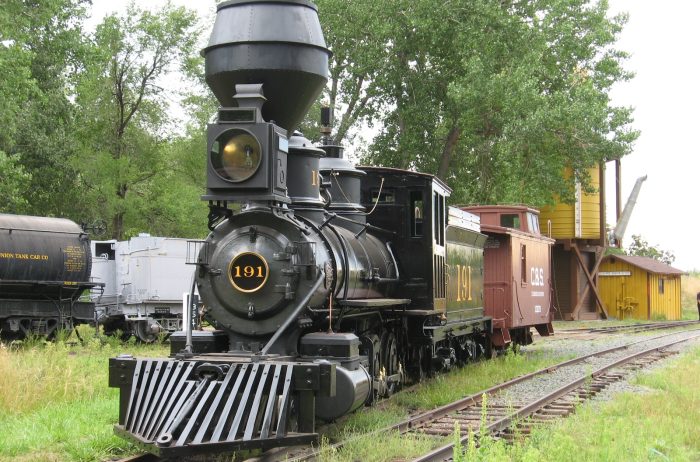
(496, 98)
(359, 47)
(641, 247)
(125, 112)
(40, 46)
(13, 182)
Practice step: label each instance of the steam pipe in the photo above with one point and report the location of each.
(293, 316)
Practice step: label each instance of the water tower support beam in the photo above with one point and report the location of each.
(591, 283)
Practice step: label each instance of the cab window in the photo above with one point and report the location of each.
(439, 215)
(416, 201)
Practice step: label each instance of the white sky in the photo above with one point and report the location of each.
(665, 92)
(663, 41)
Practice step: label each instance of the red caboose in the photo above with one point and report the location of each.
(517, 273)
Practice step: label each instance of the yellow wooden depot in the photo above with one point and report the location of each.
(640, 288)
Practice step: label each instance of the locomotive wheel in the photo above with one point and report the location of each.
(390, 360)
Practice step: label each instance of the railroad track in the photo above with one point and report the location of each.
(520, 417)
(628, 328)
(506, 419)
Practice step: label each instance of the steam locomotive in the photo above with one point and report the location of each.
(329, 285)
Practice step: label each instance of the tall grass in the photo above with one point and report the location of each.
(54, 401)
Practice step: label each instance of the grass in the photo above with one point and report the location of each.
(659, 425)
(54, 401)
(55, 406)
(391, 447)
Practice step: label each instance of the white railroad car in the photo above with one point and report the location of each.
(144, 279)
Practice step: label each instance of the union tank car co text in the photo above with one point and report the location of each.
(328, 285)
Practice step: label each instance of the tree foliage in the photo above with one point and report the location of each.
(14, 180)
(122, 102)
(496, 98)
(40, 53)
(641, 247)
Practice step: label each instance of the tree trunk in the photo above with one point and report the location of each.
(118, 226)
(118, 217)
(448, 152)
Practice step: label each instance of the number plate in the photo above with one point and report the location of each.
(248, 272)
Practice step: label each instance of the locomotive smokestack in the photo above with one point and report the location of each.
(275, 43)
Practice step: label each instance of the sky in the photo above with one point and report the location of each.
(662, 40)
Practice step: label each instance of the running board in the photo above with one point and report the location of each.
(182, 407)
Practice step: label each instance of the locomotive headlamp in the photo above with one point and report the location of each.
(235, 155)
(247, 155)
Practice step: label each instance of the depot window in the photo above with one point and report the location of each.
(661, 286)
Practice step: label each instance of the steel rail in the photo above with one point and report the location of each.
(445, 452)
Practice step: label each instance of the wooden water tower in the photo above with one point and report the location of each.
(579, 231)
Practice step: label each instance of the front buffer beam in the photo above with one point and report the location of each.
(172, 407)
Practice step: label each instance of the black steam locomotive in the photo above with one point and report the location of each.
(329, 287)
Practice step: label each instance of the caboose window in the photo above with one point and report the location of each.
(416, 213)
(534, 223)
(523, 263)
(510, 220)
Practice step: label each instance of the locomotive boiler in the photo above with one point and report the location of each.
(44, 269)
(328, 285)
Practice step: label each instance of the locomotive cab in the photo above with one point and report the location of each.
(412, 205)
